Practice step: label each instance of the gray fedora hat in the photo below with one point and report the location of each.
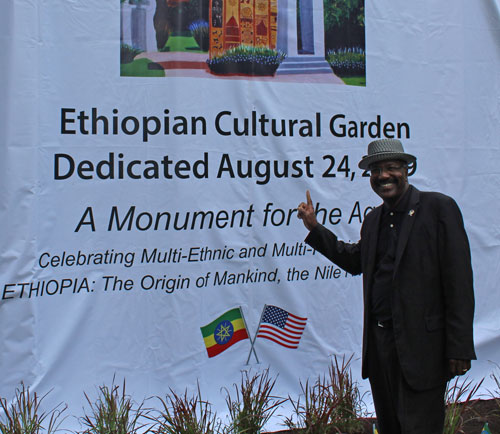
(385, 149)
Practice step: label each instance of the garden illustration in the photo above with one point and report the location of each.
(294, 40)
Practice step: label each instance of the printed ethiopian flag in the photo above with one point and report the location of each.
(225, 331)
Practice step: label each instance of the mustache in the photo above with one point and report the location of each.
(379, 182)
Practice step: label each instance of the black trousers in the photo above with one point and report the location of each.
(400, 409)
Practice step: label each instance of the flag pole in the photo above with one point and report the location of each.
(252, 342)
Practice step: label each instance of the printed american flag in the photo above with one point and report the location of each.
(281, 326)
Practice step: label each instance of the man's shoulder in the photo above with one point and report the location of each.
(437, 200)
(435, 197)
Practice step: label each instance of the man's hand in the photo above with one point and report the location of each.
(458, 367)
(305, 212)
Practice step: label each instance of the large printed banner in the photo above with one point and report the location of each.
(153, 154)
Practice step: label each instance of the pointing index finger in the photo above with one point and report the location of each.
(308, 195)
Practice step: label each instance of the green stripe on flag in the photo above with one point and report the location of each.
(230, 315)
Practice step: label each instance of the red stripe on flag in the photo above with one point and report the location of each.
(218, 348)
(291, 326)
(278, 331)
(278, 334)
(296, 323)
(291, 316)
(278, 341)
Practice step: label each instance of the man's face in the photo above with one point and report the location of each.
(389, 179)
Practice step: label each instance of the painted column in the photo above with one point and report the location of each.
(311, 58)
(126, 21)
(307, 26)
(319, 28)
(139, 27)
(150, 28)
(287, 27)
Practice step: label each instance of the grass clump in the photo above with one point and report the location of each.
(350, 405)
(495, 394)
(331, 404)
(313, 414)
(253, 405)
(458, 400)
(113, 413)
(25, 415)
(182, 414)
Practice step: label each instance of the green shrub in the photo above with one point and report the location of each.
(248, 60)
(199, 30)
(128, 53)
(347, 61)
(332, 403)
(186, 415)
(246, 53)
(253, 404)
(458, 400)
(495, 394)
(113, 413)
(350, 405)
(24, 415)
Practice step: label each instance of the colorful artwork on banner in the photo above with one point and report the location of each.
(303, 41)
(246, 22)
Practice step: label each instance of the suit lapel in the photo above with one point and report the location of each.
(406, 226)
(371, 255)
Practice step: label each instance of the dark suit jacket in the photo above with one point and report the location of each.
(432, 298)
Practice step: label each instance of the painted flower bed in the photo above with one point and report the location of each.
(246, 60)
(347, 61)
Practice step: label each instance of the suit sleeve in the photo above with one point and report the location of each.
(456, 281)
(346, 255)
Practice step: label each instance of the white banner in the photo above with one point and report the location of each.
(143, 200)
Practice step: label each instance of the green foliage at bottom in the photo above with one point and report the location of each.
(113, 413)
(354, 81)
(139, 68)
(331, 404)
(183, 43)
(184, 414)
(458, 400)
(252, 404)
(347, 62)
(24, 414)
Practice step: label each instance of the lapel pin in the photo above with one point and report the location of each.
(411, 212)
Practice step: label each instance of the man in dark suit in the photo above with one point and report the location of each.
(418, 292)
